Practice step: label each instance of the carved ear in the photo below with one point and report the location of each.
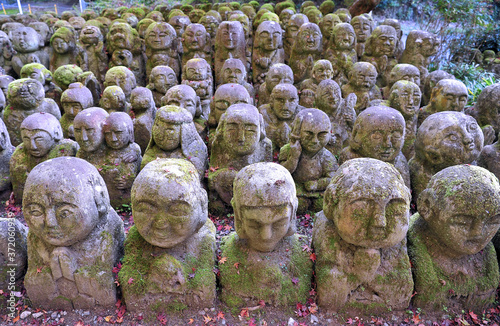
(425, 201)
(238, 222)
(354, 142)
(330, 201)
(293, 219)
(100, 198)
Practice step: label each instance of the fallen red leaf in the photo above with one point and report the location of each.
(220, 315)
(312, 257)
(244, 313)
(222, 260)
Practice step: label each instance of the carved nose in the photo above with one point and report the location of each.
(266, 232)
(50, 218)
(379, 220)
(84, 135)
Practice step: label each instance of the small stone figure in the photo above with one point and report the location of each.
(88, 126)
(198, 75)
(278, 74)
(92, 43)
(430, 82)
(6, 53)
(122, 159)
(75, 237)
(234, 71)
(42, 140)
(271, 263)
(305, 51)
(161, 40)
(38, 72)
(113, 100)
(5, 81)
(174, 135)
(420, 46)
(211, 24)
(326, 25)
(196, 44)
(161, 79)
(447, 95)
(239, 140)
(13, 253)
(169, 252)
(25, 42)
(305, 156)
(291, 31)
(362, 79)
(363, 26)
(380, 51)
(486, 112)
(225, 96)
(26, 96)
(399, 33)
(230, 43)
(267, 50)
(340, 111)
(121, 76)
(449, 241)
(75, 99)
(144, 112)
(342, 51)
(322, 70)
(6, 150)
(249, 40)
(360, 240)
(443, 139)
(67, 74)
(279, 114)
(66, 51)
(402, 71)
(379, 133)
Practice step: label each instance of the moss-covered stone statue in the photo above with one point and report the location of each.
(13, 253)
(279, 114)
(198, 75)
(401, 71)
(279, 73)
(449, 240)
(67, 74)
(399, 33)
(161, 79)
(122, 77)
(239, 140)
(170, 251)
(340, 111)
(25, 42)
(379, 133)
(486, 112)
(75, 237)
(271, 265)
(360, 240)
(447, 95)
(444, 139)
(322, 70)
(7, 51)
(75, 99)
(66, 51)
(161, 40)
(143, 111)
(225, 96)
(306, 158)
(362, 79)
(196, 44)
(326, 25)
(92, 43)
(234, 71)
(113, 100)
(430, 81)
(174, 135)
(267, 50)
(42, 140)
(6, 150)
(230, 43)
(291, 31)
(38, 72)
(420, 46)
(363, 26)
(305, 51)
(87, 127)
(26, 96)
(341, 51)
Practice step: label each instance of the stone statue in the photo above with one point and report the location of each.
(322, 70)
(122, 159)
(230, 43)
(399, 44)
(75, 99)
(67, 74)
(249, 40)
(360, 240)
(211, 24)
(341, 51)
(291, 31)
(169, 252)
(239, 140)
(124, 78)
(402, 71)
(6, 150)
(174, 135)
(198, 74)
(42, 140)
(486, 112)
(443, 139)
(455, 264)
(265, 245)
(185, 97)
(161, 79)
(447, 95)
(380, 49)
(362, 79)
(87, 127)
(26, 96)
(340, 111)
(326, 25)
(25, 42)
(161, 40)
(144, 112)
(278, 74)
(267, 50)
(113, 100)
(7, 51)
(305, 156)
(75, 237)
(234, 71)
(38, 72)
(305, 51)
(430, 82)
(225, 96)
(420, 46)
(196, 43)
(363, 26)
(379, 133)
(92, 43)
(279, 114)
(66, 51)
(13, 253)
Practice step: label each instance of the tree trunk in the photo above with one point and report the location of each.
(362, 7)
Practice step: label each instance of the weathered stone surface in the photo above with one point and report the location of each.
(278, 74)
(454, 261)
(73, 100)
(88, 126)
(161, 79)
(26, 43)
(13, 253)
(305, 51)
(6, 150)
(341, 50)
(230, 43)
(362, 79)
(144, 111)
(197, 74)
